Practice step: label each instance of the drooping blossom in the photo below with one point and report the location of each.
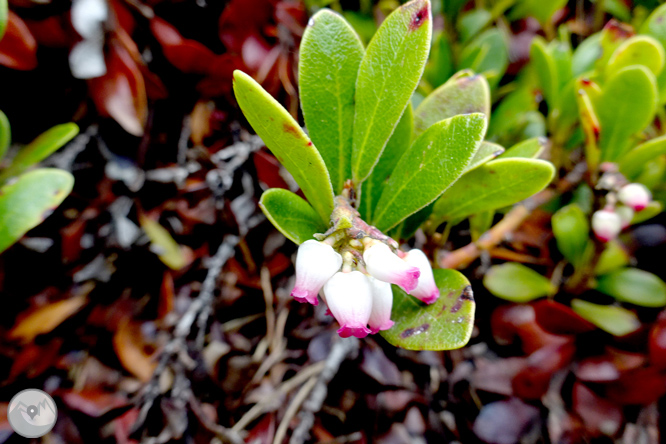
(382, 303)
(316, 262)
(350, 299)
(635, 196)
(386, 266)
(606, 224)
(426, 290)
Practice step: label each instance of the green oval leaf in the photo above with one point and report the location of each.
(3, 17)
(464, 93)
(39, 149)
(291, 215)
(330, 55)
(487, 151)
(388, 75)
(487, 54)
(545, 70)
(5, 132)
(653, 209)
(612, 319)
(634, 286)
(433, 162)
(516, 283)
(400, 141)
(637, 50)
(632, 163)
(655, 25)
(612, 258)
(28, 200)
(285, 138)
(496, 184)
(528, 149)
(626, 106)
(444, 325)
(572, 233)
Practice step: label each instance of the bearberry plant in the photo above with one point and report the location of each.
(373, 170)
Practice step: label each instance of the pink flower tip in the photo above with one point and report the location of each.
(635, 195)
(430, 298)
(606, 224)
(359, 332)
(385, 326)
(304, 296)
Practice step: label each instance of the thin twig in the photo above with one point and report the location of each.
(340, 351)
(462, 257)
(293, 409)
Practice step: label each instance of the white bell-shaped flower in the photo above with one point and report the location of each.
(382, 303)
(384, 265)
(349, 298)
(635, 195)
(606, 224)
(316, 262)
(426, 290)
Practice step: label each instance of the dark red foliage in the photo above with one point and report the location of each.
(560, 319)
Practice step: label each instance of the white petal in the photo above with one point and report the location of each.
(349, 298)
(384, 265)
(382, 303)
(427, 290)
(316, 262)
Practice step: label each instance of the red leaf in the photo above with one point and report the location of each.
(657, 345)
(187, 55)
(220, 72)
(599, 415)
(121, 92)
(532, 382)
(642, 386)
(18, 48)
(608, 367)
(559, 319)
(53, 32)
(93, 401)
(510, 321)
(243, 17)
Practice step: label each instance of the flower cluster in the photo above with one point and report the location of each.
(354, 280)
(608, 222)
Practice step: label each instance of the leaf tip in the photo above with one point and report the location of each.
(420, 16)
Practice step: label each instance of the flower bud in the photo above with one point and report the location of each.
(426, 290)
(316, 262)
(626, 215)
(606, 225)
(384, 265)
(349, 298)
(382, 303)
(635, 195)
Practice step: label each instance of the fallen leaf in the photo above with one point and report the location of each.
(131, 351)
(46, 318)
(18, 48)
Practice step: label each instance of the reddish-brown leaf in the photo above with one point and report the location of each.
(18, 47)
(641, 386)
(242, 17)
(559, 319)
(511, 322)
(46, 318)
(600, 416)
(92, 401)
(187, 55)
(133, 352)
(121, 92)
(54, 31)
(608, 367)
(657, 345)
(532, 382)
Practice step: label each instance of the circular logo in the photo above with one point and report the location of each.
(32, 413)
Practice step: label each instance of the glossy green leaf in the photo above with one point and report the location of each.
(496, 184)
(612, 319)
(634, 286)
(291, 215)
(40, 148)
(5, 133)
(464, 93)
(285, 138)
(655, 25)
(434, 161)
(637, 50)
(28, 200)
(626, 106)
(545, 69)
(528, 149)
(541, 10)
(612, 258)
(653, 209)
(440, 64)
(163, 244)
(479, 223)
(572, 233)
(330, 54)
(400, 141)
(487, 54)
(632, 163)
(612, 36)
(586, 54)
(388, 75)
(516, 283)
(653, 173)
(444, 325)
(487, 151)
(3, 17)
(472, 22)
